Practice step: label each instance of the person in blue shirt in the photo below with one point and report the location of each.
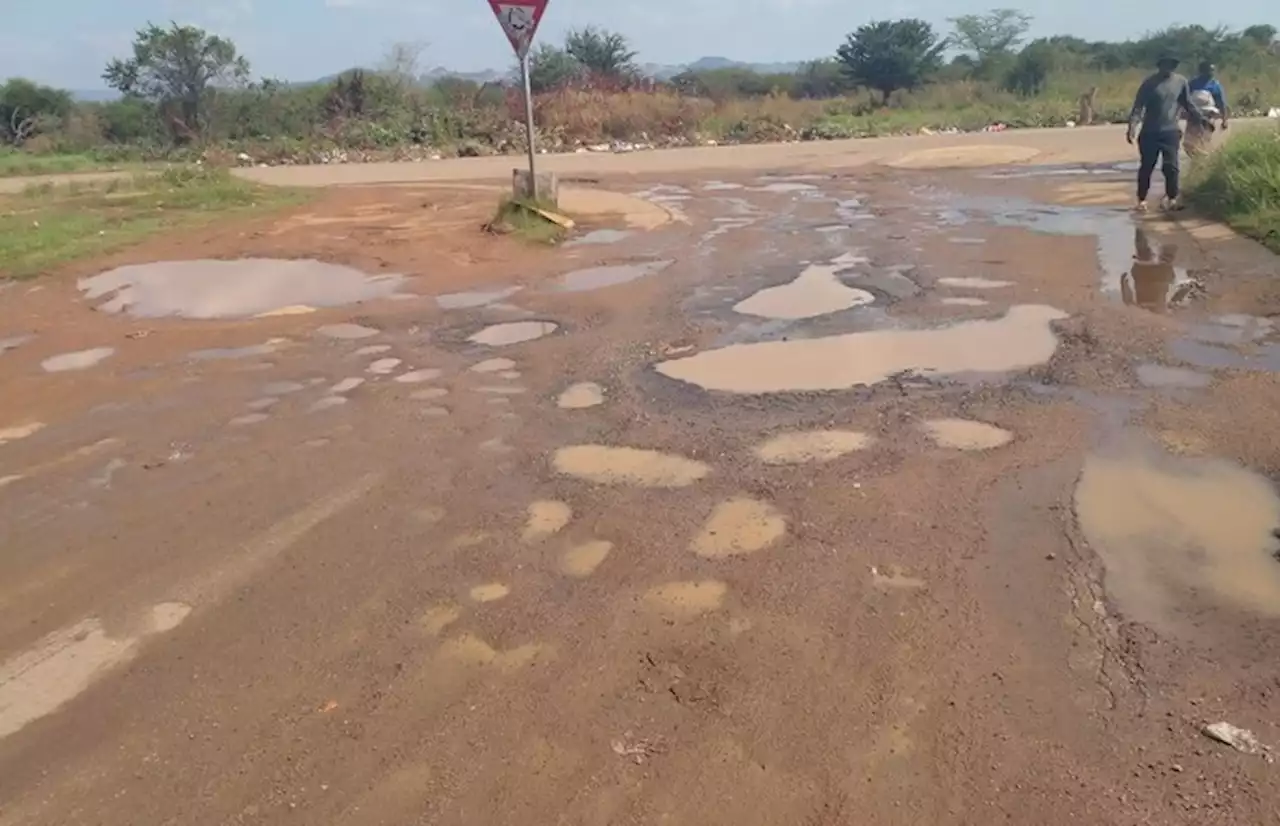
(1206, 82)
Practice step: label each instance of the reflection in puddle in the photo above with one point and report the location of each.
(964, 301)
(811, 446)
(476, 298)
(786, 187)
(1170, 527)
(596, 278)
(231, 289)
(1152, 280)
(815, 292)
(513, 332)
(606, 465)
(80, 360)
(1022, 338)
(965, 434)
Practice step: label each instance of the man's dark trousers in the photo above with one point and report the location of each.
(1159, 146)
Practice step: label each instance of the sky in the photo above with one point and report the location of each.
(67, 42)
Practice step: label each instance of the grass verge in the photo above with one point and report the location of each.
(47, 225)
(15, 163)
(1240, 185)
(520, 218)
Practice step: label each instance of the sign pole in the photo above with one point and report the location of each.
(528, 123)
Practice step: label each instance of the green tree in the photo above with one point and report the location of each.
(550, 68)
(600, 52)
(889, 55)
(819, 80)
(26, 107)
(1261, 34)
(1030, 70)
(992, 35)
(179, 69)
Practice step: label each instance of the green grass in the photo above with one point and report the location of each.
(48, 225)
(517, 217)
(1240, 185)
(15, 163)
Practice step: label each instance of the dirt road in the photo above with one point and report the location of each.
(863, 494)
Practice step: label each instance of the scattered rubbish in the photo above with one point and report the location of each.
(1241, 740)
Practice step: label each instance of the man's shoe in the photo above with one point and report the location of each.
(1141, 206)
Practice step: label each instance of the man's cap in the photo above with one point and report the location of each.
(1168, 60)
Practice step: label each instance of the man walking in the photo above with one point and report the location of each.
(1161, 98)
(1206, 81)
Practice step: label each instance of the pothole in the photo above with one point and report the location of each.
(79, 360)
(513, 332)
(580, 396)
(739, 526)
(240, 288)
(608, 465)
(1022, 338)
(966, 434)
(815, 292)
(811, 446)
(1169, 528)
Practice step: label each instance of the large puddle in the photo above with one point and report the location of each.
(815, 292)
(1022, 338)
(1153, 281)
(231, 289)
(1168, 528)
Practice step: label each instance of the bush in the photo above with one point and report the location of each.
(1240, 184)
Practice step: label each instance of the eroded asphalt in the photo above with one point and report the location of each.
(875, 497)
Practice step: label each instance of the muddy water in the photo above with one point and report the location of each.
(1172, 528)
(228, 353)
(965, 434)
(687, 599)
(815, 292)
(1159, 375)
(581, 396)
(545, 518)
(595, 278)
(607, 465)
(513, 332)
(581, 561)
(231, 289)
(1022, 338)
(492, 366)
(347, 332)
(811, 446)
(79, 360)
(974, 283)
(963, 301)
(739, 526)
(489, 592)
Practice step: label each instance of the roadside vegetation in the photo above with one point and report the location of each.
(1240, 185)
(186, 93)
(47, 225)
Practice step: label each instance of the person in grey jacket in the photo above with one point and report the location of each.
(1161, 98)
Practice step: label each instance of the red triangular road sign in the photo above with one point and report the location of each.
(519, 19)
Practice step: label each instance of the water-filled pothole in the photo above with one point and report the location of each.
(1171, 528)
(815, 292)
(513, 332)
(239, 288)
(1022, 338)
